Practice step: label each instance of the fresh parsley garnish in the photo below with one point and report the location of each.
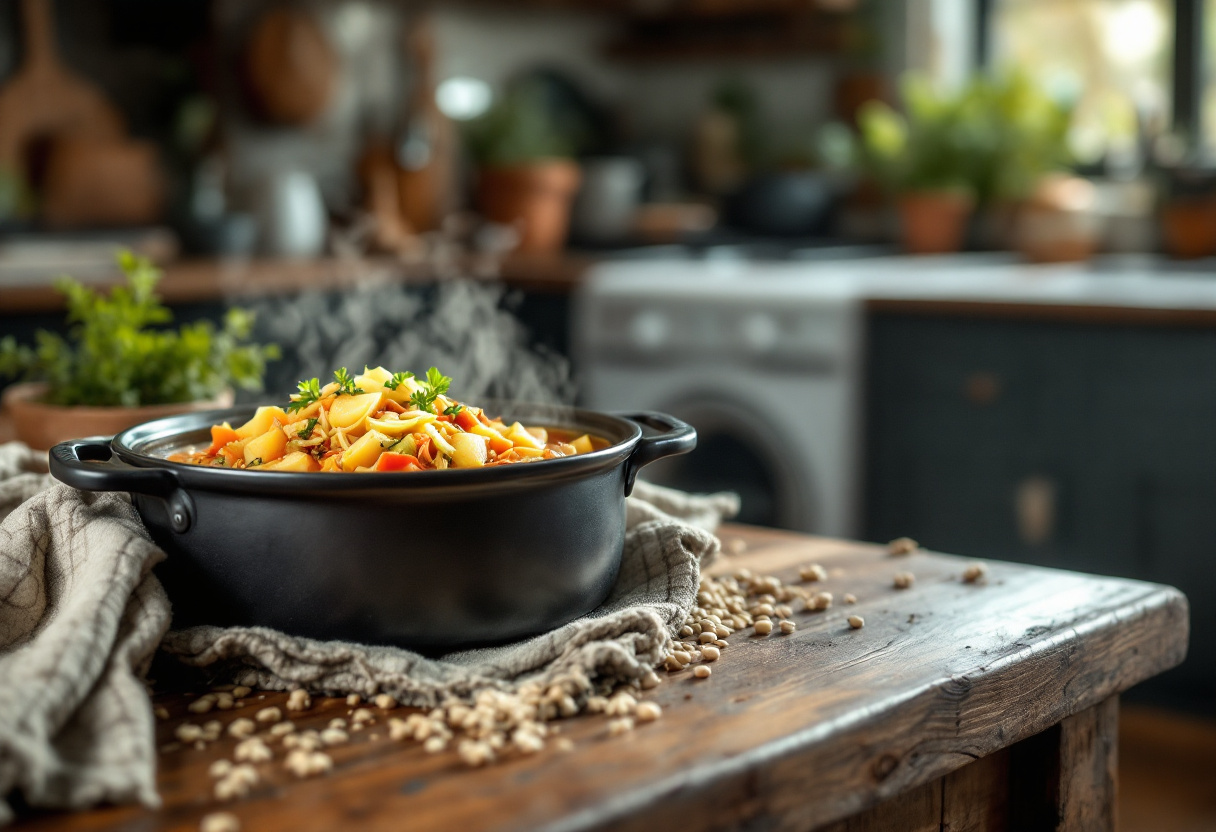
(346, 384)
(256, 462)
(397, 380)
(453, 410)
(306, 431)
(436, 385)
(310, 391)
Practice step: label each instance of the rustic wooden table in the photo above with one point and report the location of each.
(957, 707)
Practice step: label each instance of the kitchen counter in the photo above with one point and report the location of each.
(956, 706)
(192, 281)
(1127, 288)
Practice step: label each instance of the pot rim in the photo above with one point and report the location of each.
(131, 446)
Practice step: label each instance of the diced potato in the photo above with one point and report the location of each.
(541, 434)
(530, 453)
(499, 444)
(471, 450)
(365, 451)
(295, 461)
(372, 380)
(331, 463)
(583, 444)
(520, 437)
(267, 447)
(262, 421)
(350, 412)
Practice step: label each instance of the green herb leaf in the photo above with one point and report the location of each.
(306, 431)
(453, 410)
(118, 353)
(436, 385)
(346, 384)
(397, 380)
(437, 381)
(256, 462)
(310, 391)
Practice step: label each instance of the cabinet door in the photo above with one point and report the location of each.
(1080, 447)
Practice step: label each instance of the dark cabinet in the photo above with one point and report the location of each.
(1081, 446)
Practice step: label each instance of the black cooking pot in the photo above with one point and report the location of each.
(435, 560)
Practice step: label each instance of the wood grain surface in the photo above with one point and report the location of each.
(796, 732)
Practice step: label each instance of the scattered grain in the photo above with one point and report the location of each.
(812, 572)
(902, 546)
(353, 699)
(160, 712)
(762, 627)
(648, 712)
(334, 736)
(650, 680)
(788, 627)
(623, 725)
(850, 598)
(282, 729)
(362, 715)
(702, 671)
(856, 622)
(269, 715)
(385, 702)
(188, 732)
(240, 692)
(220, 822)
(252, 750)
(304, 763)
(299, 700)
(710, 653)
(242, 728)
(819, 602)
(220, 768)
(202, 705)
(974, 573)
(903, 580)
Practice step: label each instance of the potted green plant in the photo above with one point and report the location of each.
(119, 365)
(990, 142)
(525, 174)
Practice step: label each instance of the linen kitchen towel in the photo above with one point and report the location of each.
(81, 616)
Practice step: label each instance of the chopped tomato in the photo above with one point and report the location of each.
(390, 461)
(389, 404)
(465, 419)
(221, 435)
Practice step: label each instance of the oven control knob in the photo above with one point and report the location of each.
(759, 332)
(650, 330)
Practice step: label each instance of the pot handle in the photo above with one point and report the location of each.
(89, 464)
(675, 438)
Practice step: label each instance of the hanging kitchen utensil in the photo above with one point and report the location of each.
(46, 99)
(291, 68)
(424, 146)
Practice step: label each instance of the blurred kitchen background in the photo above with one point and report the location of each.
(937, 268)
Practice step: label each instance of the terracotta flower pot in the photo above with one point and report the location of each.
(934, 222)
(1188, 226)
(42, 425)
(534, 197)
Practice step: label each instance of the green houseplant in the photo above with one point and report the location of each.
(525, 175)
(989, 142)
(120, 365)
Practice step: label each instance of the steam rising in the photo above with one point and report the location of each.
(459, 326)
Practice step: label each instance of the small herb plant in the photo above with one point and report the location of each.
(517, 131)
(995, 137)
(119, 352)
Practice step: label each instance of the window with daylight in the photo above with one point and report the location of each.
(1112, 59)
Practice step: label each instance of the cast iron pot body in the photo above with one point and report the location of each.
(435, 561)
